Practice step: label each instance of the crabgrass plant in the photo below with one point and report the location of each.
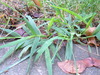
(59, 28)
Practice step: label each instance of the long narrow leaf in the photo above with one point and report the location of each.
(88, 24)
(27, 30)
(48, 61)
(56, 50)
(97, 30)
(1, 38)
(98, 35)
(7, 68)
(24, 50)
(71, 12)
(31, 25)
(11, 32)
(90, 21)
(33, 50)
(45, 46)
(9, 52)
(15, 42)
(50, 23)
(53, 49)
(69, 50)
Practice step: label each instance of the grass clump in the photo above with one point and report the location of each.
(64, 26)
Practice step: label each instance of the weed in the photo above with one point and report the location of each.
(61, 27)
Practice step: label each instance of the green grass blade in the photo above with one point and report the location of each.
(75, 65)
(45, 46)
(71, 12)
(48, 61)
(34, 45)
(89, 49)
(56, 50)
(28, 42)
(1, 38)
(15, 42)
(27, 30)
(11, 32)
(33, 50)
(7, 54)
(24, 50)
(7, 68)
(90, 21)
(97, 30)
(58, 30)
(87, 16)
(81, 42)
(31, 25)
(44, 24)
(69, 50)
(10, 51)
(53, 49)
(18, 46)
(98, 35)
(50, 23)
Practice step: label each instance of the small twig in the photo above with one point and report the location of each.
(86, 50)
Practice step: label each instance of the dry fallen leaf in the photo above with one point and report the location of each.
(90, 31)
(96, 62)
(37, 2)
(91, 40)
(68, 66)
(2, 15)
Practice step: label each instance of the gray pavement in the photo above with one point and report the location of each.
(39, 68)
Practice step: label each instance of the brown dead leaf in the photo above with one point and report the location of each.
(96, 62)
(37, 2)
(90, 31)
(91, 40)
(2, 15)
(68, 66)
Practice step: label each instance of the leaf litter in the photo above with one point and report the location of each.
(68, 66)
